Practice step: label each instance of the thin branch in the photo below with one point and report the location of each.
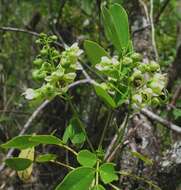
(115, 138)
(83, 81)
(153, 31)
(62, 164)
(12, 29)
(118, 147)
(164, 122)
(145, 9)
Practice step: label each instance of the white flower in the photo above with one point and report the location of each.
(75, 48)
(115, 60)
(137, 98)
(29, 94)
(105, 59)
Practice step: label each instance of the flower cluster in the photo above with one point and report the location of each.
(143, 84)
(56, 70)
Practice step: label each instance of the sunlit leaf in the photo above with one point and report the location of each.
(20, 142)
(86, 158)
(104, 95)
(78, 179)
(108, 173)
(94, 51)
(46, 139)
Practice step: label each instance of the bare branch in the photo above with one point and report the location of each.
(153, 31)
(157, 118)
(12, 29)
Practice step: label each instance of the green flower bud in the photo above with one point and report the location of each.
(53, 37)
(55, 52)
(69, 77)
(44, 51)
(153, 66)
(48, 90)
(38, 61)
(38, 41)
(43, 35)
(136, 57)
(127, 61)
(38, 75)
(143, 67)
(46, 66)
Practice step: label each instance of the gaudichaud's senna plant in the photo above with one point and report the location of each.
(123, 78)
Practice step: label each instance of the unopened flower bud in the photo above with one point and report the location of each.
(44, 51)
(53, 37)
(153, 66)
(38, 61)
(127, 61)
(136, 57)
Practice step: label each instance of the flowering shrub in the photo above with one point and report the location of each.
(123, 79)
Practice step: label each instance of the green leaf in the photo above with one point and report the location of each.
(86, 158)
(18, 164)
(120, 19)
(110, 29)
(108, 173)
(20, 142)
(145, 159)
(98, 187)
(46, 158)
(46, 139)
(104, 95)
(75, 132)
(94, 51)
(68, 133)
(78, 179)
(116, 26)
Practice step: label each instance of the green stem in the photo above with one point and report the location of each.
(114, 187)
(97, 173)
(105, 129)
(68, 148)
(62, 164)
(76, 114)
